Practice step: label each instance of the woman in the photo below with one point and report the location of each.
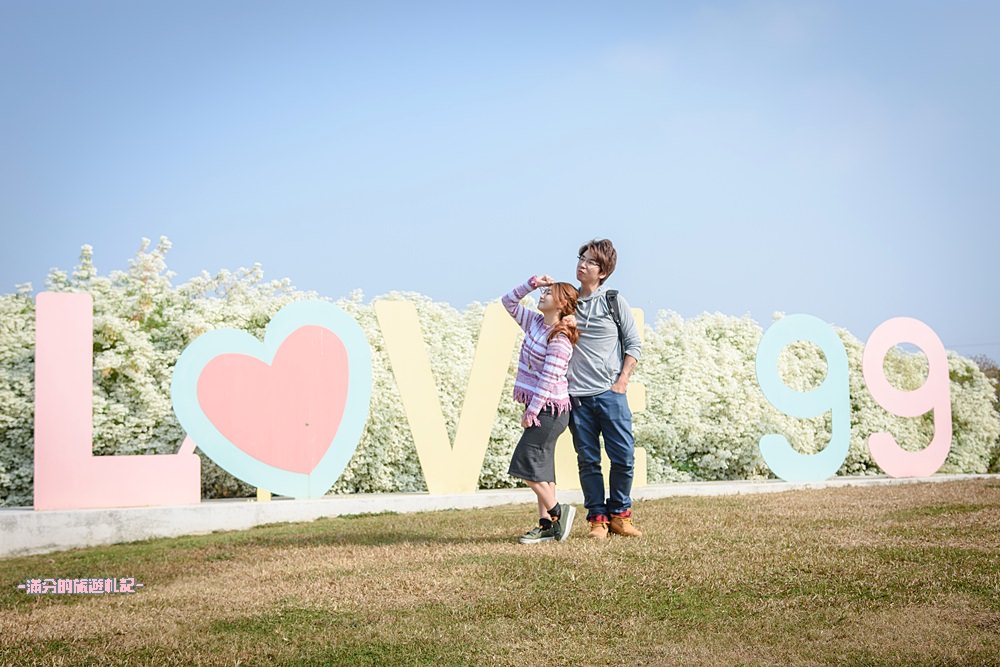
(541, 386)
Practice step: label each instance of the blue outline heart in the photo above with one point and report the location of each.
(184, 396)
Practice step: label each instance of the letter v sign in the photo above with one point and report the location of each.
(447, 468)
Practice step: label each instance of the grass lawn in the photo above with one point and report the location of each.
(904, 574)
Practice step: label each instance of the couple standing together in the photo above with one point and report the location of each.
(573, 369)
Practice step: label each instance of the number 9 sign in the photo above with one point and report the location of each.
(833, 395)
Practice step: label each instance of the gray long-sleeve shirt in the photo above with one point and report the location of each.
(597, 358)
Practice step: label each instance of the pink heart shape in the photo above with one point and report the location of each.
(286, 413)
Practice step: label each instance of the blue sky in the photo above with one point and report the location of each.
(831, 158)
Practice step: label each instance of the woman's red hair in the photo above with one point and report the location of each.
(565, 296)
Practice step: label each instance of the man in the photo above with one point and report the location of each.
(598, 378)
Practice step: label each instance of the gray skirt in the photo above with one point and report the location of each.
(534, 457)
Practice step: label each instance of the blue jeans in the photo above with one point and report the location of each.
(605, 414)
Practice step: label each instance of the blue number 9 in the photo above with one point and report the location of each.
(832, 395)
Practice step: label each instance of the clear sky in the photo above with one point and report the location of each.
(832, 158)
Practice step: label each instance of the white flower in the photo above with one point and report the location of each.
(704, 419)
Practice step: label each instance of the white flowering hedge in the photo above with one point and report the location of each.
(704, 418)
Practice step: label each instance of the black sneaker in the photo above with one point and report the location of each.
(564, 524)
(539, 534)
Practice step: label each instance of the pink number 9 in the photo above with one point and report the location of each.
(935, 394)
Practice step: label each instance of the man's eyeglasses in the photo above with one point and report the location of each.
(587, 261)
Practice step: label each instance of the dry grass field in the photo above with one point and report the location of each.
(904, 574)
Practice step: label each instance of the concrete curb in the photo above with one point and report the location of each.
(26, 531)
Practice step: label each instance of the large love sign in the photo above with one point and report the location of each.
(286, 414)
(833, 395)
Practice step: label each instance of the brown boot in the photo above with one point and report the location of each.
(621, 524)
(598, 528)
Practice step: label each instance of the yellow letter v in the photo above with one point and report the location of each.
(448, 469)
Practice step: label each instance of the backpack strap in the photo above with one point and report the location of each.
(612, 296)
